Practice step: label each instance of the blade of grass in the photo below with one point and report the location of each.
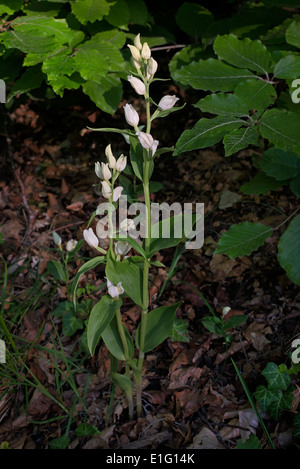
(251, 401)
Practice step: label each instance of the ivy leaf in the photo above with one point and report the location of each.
(275, 377)
(265, 396)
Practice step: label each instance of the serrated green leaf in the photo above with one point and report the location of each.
(256, 94)
(192, 18)
(119, 14)
(289, 250)
(239, 139)
(280, 164)
(106, 93)
(44, 26)
(206, 132)
(293, 34)
(224, 104)
(212, 74)
(281, 128)
(29, 41)
(10, 6)
(288, 67)
(59, 63)
(90, 10)
(244, 53)
(261, 183)
(275, 377)
(242, 239)
(91, 64)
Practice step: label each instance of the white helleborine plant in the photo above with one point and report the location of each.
(131, 275)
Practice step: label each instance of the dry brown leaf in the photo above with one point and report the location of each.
(205, 439)
(188, 401)
(183, 376)
(255, 334)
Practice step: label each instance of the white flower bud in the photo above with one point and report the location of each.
(122, 248)
(152, 66)
(71, 244)
(135, 63)
(146, 140)
(98, 170)
(121, 163)
(105, 171)
(110, 157)
(131, 116)
(137, 42)
(137, 84)
(167, 102)
(135, 52)
(90, 238)
(226, 310)
(106, 189)
(154, 146)
(56, 238)
(117, 193)
(146, 52)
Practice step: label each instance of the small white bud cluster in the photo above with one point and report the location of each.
(108, 173)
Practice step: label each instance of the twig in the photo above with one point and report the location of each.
(31, 214)
(167, 48)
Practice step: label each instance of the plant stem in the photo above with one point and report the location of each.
(126, 353)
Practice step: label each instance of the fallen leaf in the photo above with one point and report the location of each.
(205, 439)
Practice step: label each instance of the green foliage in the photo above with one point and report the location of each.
(221, 326)
(277, 396)
(252, 442)
(71, 45)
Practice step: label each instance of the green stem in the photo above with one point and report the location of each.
(127, 358)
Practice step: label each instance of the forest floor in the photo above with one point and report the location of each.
(192, 396)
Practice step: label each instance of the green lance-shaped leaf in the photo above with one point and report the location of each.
(91, 264)
(242, 239)
(289, 250)
(288, 67)
(124, 383)
(206, 133)
(57, 270)
(29, 80)
(101, 315)
(158, 326)
(281, 127)
(240, 138)
(244, 53)
(129, 274)
(113, 342)
(280, 164)
(212, 74)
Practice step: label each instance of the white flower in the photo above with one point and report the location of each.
(121, 163)
(98, 170)
(90, 238)
(127, 224)
(110, 157)
(117, 193)
(114, 291)
(106, 189)
(226, 310)
(146, 51)
(167, 102)
(137, 42)
(71, 244)
(136, 64)
(122, 248)
(131, 116)
(137, 84)
(135, 52)
(148, 142)
(152, 66)
(106, 174)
